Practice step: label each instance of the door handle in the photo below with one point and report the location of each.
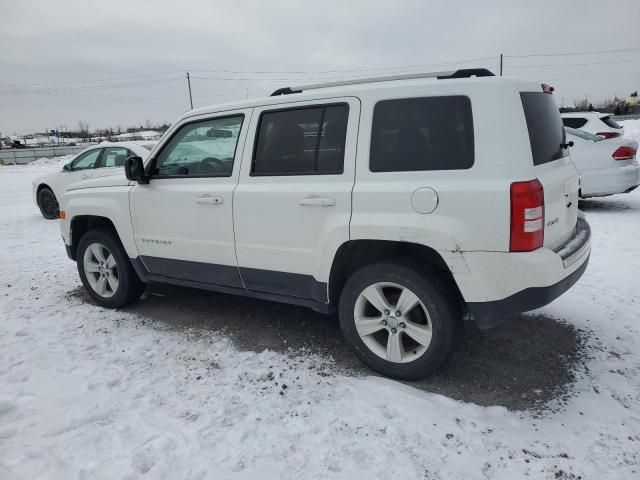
(84, 177)
(210, 200)
(314, 201)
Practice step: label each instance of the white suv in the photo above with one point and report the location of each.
(402, 204)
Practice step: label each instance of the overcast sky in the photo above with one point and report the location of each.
(113, 62)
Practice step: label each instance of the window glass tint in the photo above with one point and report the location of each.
(574, 122)
(201, 148)
(114, 157)
(304, 141)
(86, 160)
(433, 133)
(546, 132)
(610, 122)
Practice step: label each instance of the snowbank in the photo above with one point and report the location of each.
(45, 161)
(631, 129)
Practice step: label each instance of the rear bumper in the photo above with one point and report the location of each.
(609, 181)
(492, 314)
(515, 283)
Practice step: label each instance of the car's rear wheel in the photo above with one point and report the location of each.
(402, 323)
(106, 271)
(48, 204)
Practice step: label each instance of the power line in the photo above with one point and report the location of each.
(93, 80)
(612, 74)
(594, 52)
(574, 64)
(318, 72)
(87, 88)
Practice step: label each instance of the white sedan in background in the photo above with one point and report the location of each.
(606, 167)
(601, 124)
(101, 160)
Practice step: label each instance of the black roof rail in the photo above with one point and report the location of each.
(284, 91)
(469, 72)
(462, 73)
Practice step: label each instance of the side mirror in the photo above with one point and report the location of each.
(66, 167)
(134, 170)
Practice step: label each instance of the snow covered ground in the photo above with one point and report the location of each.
(88, 393)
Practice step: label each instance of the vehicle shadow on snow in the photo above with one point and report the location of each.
(609, 204)
(521, 365)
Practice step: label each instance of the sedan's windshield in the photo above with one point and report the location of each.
(583, 134)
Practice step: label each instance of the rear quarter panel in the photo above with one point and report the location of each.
(473, 205)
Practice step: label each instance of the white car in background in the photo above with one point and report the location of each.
(101, 160)
(597, 123)
(606, 167)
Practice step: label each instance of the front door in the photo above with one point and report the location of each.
(182, 220)
(293, 203)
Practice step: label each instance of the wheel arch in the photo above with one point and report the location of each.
(355, 254)
(45, 185)
(81, 224)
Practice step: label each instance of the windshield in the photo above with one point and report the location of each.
(583, 134)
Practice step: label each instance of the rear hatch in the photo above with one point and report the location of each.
(553, 167)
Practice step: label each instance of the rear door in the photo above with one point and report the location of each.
(553, 166)
(293, 203)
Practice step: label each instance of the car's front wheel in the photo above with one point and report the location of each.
(48, 204)
(106, 271)
(401, 322)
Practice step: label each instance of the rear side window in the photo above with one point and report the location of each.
(574, 122)
(419, 134)
(114, 157)
(301, 141)
(546, 132)
(610, 122)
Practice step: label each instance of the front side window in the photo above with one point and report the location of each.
(87, 160)
(114, 157)
(302, 141)
(204, 148)
(419, 134)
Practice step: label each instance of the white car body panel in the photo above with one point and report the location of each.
(600, 173)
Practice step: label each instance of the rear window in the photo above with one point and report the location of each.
(546, 132)
(574, 122)
(418, 134)
(610, 122)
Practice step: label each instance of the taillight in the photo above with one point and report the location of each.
(624, 153)
(527, 216)
(608, 134)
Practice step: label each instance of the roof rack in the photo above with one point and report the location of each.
(462, 73)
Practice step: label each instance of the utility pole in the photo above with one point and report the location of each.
(501, 64)
(189, 85)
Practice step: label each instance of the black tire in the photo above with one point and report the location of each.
(130, 287)
(435, 294)
(48, 204)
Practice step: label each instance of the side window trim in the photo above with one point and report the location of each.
(151, 165)
(324, 107)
